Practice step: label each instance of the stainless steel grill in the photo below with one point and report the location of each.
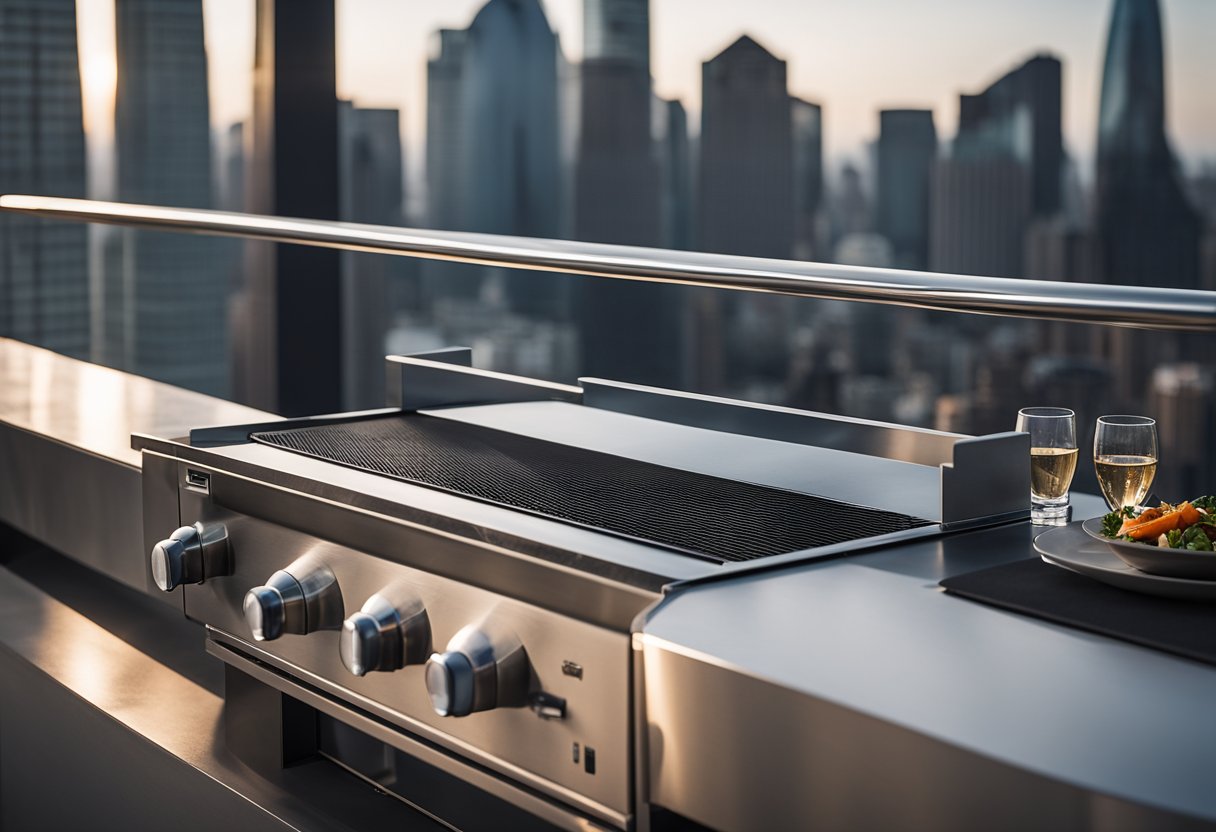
(461, 578)
(703, 516)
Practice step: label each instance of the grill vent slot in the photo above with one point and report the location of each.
(709, 517)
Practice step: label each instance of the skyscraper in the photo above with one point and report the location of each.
(628, 331)
(746, 200)
(44, 280)
(981, 210)
(289, 313)
(372, 192)
(444, 80)
(445, 138)
(1004, 169)
(675, 165)
(807, 122)
(617, 29)
(907, 149)
(232, 169)
(617, 184)
(1149, 234)
(1019, 117)
(163, 135)
(510, 169)
(745, 204)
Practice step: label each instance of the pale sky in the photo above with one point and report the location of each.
(854, 58)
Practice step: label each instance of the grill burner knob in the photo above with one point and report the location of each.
(190, 555)
(477, 672)
(391, 631)
(300, 599)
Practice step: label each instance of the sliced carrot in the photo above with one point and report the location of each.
(1189, 516)
(1155, 528)
(1146, 516)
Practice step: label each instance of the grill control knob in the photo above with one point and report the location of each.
(477, 672)
(391, 631)
(191, 555)
(300, 599)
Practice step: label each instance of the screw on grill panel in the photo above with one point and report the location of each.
(709, 517)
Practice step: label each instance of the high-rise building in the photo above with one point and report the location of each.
(617, 183)
(980, 211)
(807, 121)
(628, 331)
(675, 166)
(510, 166)
(1149, 234)
(907, 149)
(1180, 399)
(1005, 168)
(617, 29)
(232, 169)
(444, 80)
(163, 135)
(745, 205)
(372, 190)
(444, 155)
(1019, 117)
(849, 208)
(289, 313)
(746, 194)
(44, 280)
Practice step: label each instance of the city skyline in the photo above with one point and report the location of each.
(853, 67)
(525, 141)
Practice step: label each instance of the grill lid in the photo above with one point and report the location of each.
(708, 517)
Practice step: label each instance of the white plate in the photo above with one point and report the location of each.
(1071, 548)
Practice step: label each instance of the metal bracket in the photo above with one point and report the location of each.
(989, 477)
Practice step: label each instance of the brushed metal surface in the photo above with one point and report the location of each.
(751, 754)
(900, 443)
(1134, 306)
(977, 704)
(70, 477)
(429, 382)
(543, 809)
(95, 409)
(98, 734)
(513, 741)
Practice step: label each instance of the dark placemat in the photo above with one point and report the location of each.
(1185, 628)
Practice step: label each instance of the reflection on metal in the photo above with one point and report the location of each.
(428, 382)
(1132, 306)
(65, 448)
(316, 697)
(785, 424)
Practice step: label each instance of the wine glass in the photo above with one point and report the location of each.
(1053, 461)
(1125, 458)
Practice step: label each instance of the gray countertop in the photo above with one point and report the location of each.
(95, 408)
(874, 633)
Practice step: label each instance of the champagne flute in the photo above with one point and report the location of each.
(1053, 461)
(1125, 458)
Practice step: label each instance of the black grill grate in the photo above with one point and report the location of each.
(710, 517)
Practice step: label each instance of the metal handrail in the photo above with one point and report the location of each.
(1129, 306)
